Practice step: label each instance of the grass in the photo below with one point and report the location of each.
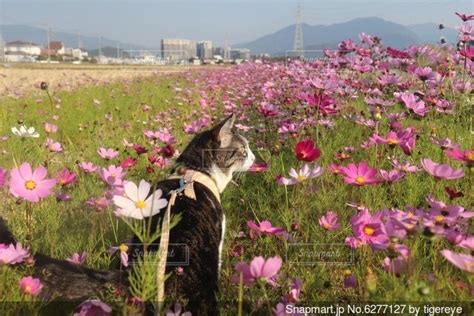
(62, 228)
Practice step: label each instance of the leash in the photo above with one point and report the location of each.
(186, 185)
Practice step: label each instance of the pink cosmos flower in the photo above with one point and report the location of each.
(405, 166)
(329, 221)
(302, 175)
(264, 228)
(405, 138)
(65, 177)
(50, 128)
(325, 103)
(93, 307)
(112, 175)
(99, 204)
(295, 291)
(177, 311)
(107, 153)
(360, 174)
(425, 73)
(87, 167)
(197, 125)
(78, 258)
(462, 261)
(13, 254)
(392, 175)
(466, 156)
(30, 285)
(53, 146)
(444, 143)
(259, 268)
(464, 17)
(268, 110)
(441, 171)
(414, 104)
(305, 150)
(465, 32)
(30, 185)
(257, 167)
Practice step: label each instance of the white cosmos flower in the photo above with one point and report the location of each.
(301, 175)
(24, 131)
(135, 203)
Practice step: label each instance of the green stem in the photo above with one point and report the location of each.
(269, 307)
(241, 294)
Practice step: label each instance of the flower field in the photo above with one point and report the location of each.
(362, 188)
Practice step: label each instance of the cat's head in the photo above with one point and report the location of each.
(218, 152)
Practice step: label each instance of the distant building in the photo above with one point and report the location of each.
(177, 49)
(54, 48)
(240, 53)
(222, 51)
(22, 48)
(204, 50)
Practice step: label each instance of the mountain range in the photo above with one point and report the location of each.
(277, 43)
(328, 36)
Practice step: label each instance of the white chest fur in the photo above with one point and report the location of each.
(221, 244)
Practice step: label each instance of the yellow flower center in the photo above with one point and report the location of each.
(470, 156)
(369, 230)
(360, 180)
(439, 218)
(30, 185)
(28, 289)
(410, 215)
(140, 204)
(301, 178)
(470, 266)
(392, 141)
(347, 272)
(123, 248)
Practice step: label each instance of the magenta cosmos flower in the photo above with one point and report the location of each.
(30, 285)
(360, 174)
(462, 261)
(466, 156)
(305, 150)
(30, 185)
(259, 269)
(264, 228)
(369, 229)
(13, 254)
(441, 171)
(66, 177)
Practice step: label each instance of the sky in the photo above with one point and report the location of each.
(145, 22)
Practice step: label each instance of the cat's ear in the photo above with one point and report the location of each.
(222, 132)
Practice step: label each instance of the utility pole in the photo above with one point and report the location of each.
(2, 44)
(100, 48)
(298, 46)
(49, 43)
